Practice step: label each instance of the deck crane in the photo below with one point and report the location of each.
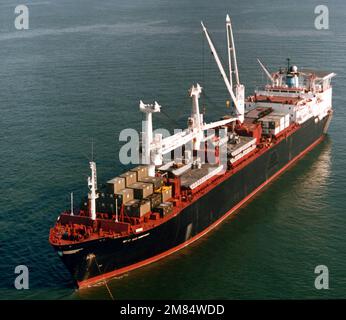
(157, 146)
(236, 90)
(154, 147)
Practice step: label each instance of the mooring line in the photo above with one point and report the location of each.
(104, 279)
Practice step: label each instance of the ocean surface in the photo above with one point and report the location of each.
(78, 74)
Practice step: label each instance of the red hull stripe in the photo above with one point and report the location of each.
(120, 271)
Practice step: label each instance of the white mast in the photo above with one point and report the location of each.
(116, 210)
(71, 203)
(196, 117)
(92, 184)
(147, 137)
(238, 98)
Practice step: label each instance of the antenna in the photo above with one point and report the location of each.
(92, 149)
(288, 65)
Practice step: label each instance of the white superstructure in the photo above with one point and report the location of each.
(302, 94)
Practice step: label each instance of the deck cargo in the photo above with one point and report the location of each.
(141, 189)
(124, 196)
(141, 171)
(137, 208)
(164, 209)
(165, 193)
(157, 182)
(155, 199)
(116, 184)
(130, 178)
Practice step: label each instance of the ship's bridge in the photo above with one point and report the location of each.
(294, 81)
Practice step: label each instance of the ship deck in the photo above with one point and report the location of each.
(191, 176)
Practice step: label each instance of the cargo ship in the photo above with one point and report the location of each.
(189, 182)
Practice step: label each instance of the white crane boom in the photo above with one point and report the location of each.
(231, 52)
(219, 64)
(179, 139)
(266, 71)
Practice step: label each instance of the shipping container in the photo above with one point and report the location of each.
(155, 199)
(165, 192)
(124, 196)
(157, 182)
(116, 184)
(274, 123)
(164, 208)
(284, 116)
(130, 178)
(141, 171)
(105, 205)
(141, 189)
(137, 208)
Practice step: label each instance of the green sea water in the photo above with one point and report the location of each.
(78, 74)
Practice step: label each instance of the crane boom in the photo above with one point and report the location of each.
(266, 71)
(221, 69)
(231, 51)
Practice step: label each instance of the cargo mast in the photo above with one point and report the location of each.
(92, 184)
(196, 120)
(238, 96)
(147, 137)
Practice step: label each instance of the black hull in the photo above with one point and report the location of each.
(88, 261)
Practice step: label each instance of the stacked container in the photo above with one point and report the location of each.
(105, 203)
(274, 123)
(155, 200)
(165, 193)
(124, 196)
(137, 208)
(116, 184)
(141, 172)
(157, 182)
(164, 209)
(130, 178)
(141, 189)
